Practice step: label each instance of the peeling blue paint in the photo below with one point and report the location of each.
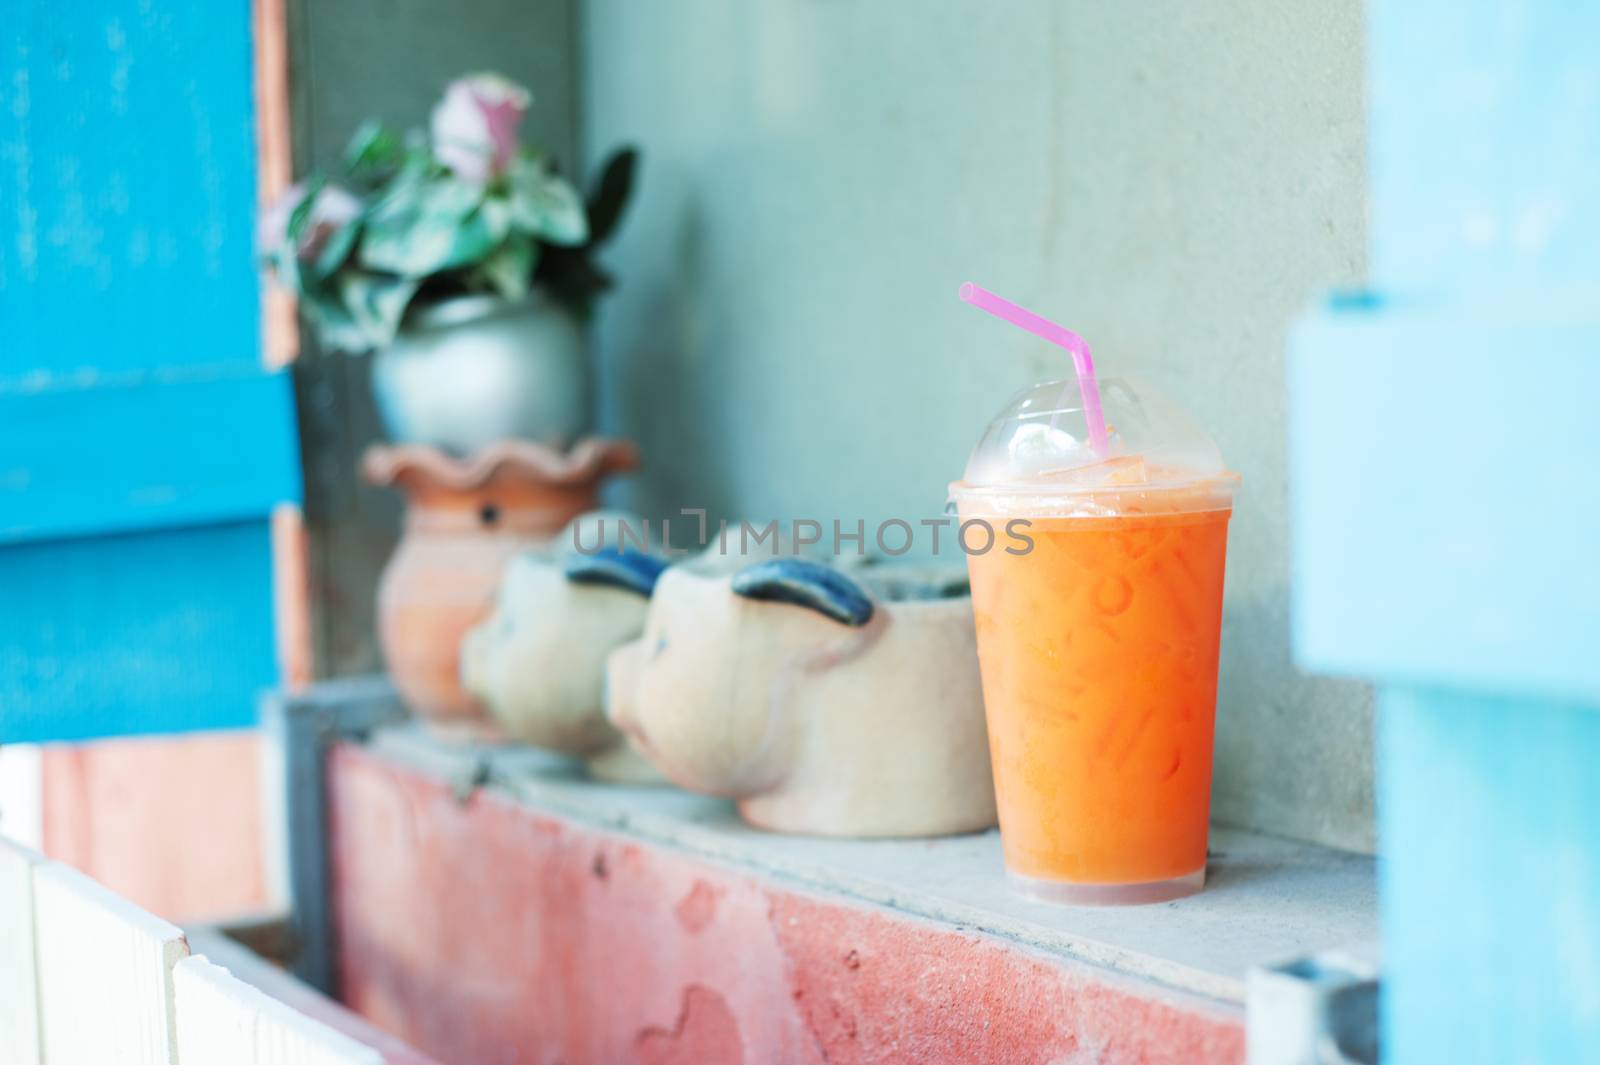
(142, 447)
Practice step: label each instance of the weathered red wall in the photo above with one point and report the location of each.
(173, 823)
(484, 932)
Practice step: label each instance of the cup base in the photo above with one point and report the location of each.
(1066, 893)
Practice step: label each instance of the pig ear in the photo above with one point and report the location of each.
(616, 567)
(805, 583)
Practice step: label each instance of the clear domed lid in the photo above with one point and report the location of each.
(1039, 447)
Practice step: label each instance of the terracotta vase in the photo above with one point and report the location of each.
(465, 520)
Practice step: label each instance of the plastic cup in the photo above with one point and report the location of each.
(1099, 611)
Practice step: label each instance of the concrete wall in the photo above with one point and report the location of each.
(1172, 179)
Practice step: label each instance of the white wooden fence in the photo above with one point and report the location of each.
(87, 978)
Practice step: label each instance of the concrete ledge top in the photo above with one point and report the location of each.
(1266, 899)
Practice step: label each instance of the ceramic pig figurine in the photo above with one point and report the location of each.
(538, 663)
(824, 703)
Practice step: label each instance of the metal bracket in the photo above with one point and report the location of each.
(1318, 1010)
(299, 728)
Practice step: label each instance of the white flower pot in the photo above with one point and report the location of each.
(472, 370)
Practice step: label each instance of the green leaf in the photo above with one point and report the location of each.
(545, 206)
(421, 229)
(496, 212)
(571, 278)
(373, 155)
(376, 303)
(611, 194)
(411, 248)
(300, 217)
(510, 268)
(284, 259)
(416, 168)
(335, 327)
(413, 194)
(474, 240)
(286, 269)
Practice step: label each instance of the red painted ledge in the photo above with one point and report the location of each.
(485, 930)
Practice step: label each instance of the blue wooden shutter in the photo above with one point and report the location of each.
(142, 446)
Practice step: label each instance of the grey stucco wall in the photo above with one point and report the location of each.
(1173, 179)
(350, 62)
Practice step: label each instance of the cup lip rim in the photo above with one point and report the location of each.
(1228, 479)
(463, 308)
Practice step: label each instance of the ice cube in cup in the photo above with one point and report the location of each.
(1041, 439)
(1038, 449)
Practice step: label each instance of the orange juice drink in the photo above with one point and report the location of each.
(1099, 612)
(1099, 657)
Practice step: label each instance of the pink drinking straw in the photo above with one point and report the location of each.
(1082, 361)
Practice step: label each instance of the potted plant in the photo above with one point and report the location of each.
(464, 260)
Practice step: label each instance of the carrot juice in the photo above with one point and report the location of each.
(1098, 647)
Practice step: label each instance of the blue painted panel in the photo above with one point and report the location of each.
(1490, 829)
(131, 396)
(157, 632)
(144, 450)
(1445, 512)
(127, 185)
(1483, 142)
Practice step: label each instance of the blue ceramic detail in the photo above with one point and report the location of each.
(805, 583)
(616, 567)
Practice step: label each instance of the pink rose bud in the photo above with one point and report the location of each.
(475, 126)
